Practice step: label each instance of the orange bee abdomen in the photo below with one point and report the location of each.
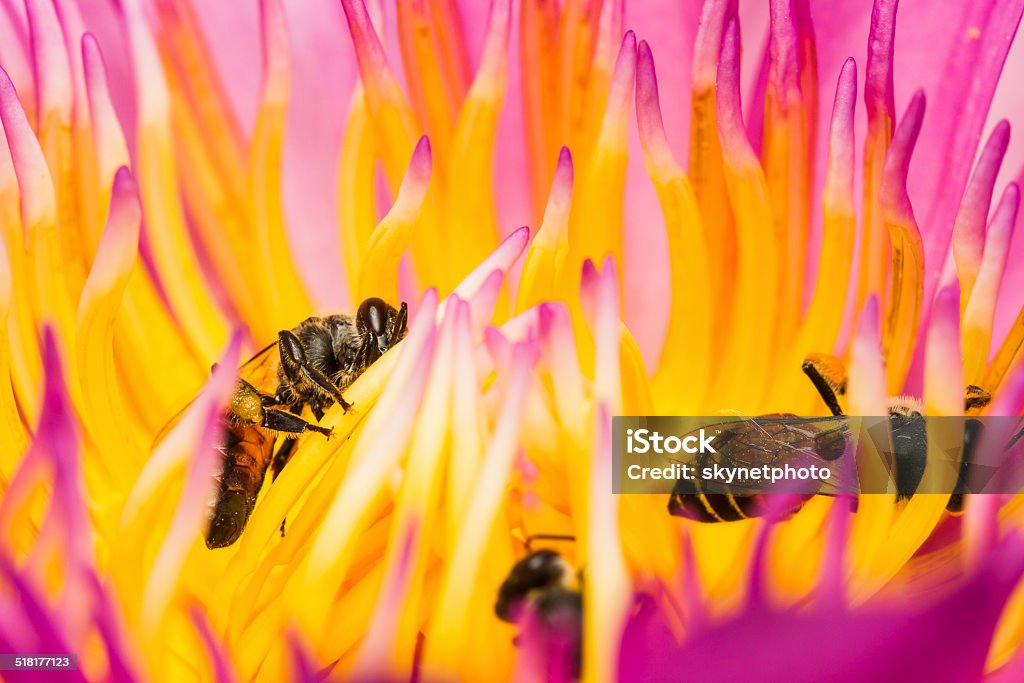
(247, 454)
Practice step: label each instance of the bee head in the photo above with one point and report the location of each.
(385, 324)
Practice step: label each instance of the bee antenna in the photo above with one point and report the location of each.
(547, 537)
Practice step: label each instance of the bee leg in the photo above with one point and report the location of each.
(289, 423)
(402, 322)
(826, 388)
(972, 435)
(269, 400)
(293, 355)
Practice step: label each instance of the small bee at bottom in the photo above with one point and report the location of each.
(541, 592)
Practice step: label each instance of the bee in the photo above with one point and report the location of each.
(907, 425)
(764, 440)
(544, 583)
(309, 366)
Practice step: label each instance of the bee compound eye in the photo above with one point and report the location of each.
(372, 316)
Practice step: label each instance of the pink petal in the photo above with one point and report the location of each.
(231, 36)
(523, 325)
(223, 670)
(303, 666)
(714, 19)
(58, 441)
(65, 532)
(962, 96)
(757, 574)
(50, 60)
(1010, 672)
(697, 616)
(607, 379)
(894, 195)
(838, 198)
(121, 657)
(206, 433)
(1011, 298)
(832, 586)
(878, 77)
(606, 588)
(44, 628)
(669, 27)
(382, 441)
(559, 353)
(108, 137)
(732, 132)
(374, 654)
(980, 311)
(829, 645)
(904, 315)
(943, 372)
(119, 244)
(971, 217)
(37, 195)
(651, 127)
(981, 519)
(589, 278)
(785, 49)
(73, 28)
(324, 74)
(486, 498)
(866, 393)
(14, 45)
(480, 288)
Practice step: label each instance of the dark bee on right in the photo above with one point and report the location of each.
(759, 440)
(907, 425)
(546, 585)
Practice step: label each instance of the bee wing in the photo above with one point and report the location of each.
(166, 429)
(260, 371)
(775, 440)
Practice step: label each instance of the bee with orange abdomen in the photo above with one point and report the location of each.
(308, 366)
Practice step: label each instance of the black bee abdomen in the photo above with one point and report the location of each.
(910, 452)
(229, 519)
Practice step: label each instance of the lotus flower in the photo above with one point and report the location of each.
(180, 180)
